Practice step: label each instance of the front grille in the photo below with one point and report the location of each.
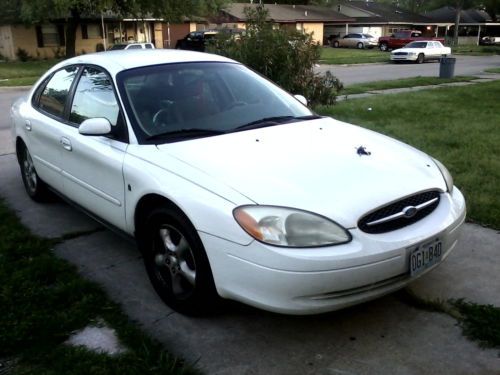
(391, 217)
(400, 53)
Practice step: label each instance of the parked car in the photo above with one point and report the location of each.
(196, 40)
(119, 46)
(402, 38)
(231, 186)
(489, 40)
(420, 51)
(356, 40)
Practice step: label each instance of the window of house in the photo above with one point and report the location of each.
(94, 97)
(54, 95)
(91, 31)
(50, 35)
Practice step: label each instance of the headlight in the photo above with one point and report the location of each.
(412, 53)
(446, 175)
(289, 227)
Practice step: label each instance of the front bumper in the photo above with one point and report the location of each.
(309, 281)
(404, 57)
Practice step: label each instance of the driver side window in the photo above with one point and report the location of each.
(94, 97)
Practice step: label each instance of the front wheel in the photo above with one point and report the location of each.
(383, 47)
(336, 44)
(176, 262)
(420, 58)
(35, 187)
(360, 45)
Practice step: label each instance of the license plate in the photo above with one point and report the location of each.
(425, 255)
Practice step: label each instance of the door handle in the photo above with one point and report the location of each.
(27, 125)
(66, 143)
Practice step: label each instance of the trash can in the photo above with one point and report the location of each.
(447, 67)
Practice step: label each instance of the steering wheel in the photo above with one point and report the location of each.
(165, 118)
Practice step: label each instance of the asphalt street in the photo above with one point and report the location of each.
(385, 336)
(465, 65)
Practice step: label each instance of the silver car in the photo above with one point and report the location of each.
(356, 40)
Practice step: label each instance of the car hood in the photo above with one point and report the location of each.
(317, 165)
(408, 50)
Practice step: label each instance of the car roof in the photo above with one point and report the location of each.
(116, 61)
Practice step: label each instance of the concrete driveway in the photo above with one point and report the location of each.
(386, 336)
(465, 65)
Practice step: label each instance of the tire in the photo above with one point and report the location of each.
(336, 44)
(383, 47)
(360, 45)
(176, 262)
(420, 58)
(34, 186)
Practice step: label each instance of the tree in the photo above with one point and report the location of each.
(492, 7)
(37, 11)
(285, 56)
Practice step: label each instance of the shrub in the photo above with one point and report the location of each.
(286, 57)
(22, 55)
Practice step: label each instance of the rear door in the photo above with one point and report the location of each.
(44, 125)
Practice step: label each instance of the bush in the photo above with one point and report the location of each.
(23, 55)
(286, 57)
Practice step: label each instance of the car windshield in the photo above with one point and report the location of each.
(416, 45)
(171, 101)
(118, 46)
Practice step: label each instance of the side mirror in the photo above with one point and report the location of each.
(95, 126)
(301, 98)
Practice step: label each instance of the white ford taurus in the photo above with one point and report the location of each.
(231, 186)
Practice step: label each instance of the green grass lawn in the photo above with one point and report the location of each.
(331, 55)
(493, 70)
(43, 300)
(18, 73)
(401, 83)
(458, 126)
(474, 50)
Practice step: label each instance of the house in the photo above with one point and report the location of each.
(306, 18)
(474, 24)
(378, 19)
(94, 33)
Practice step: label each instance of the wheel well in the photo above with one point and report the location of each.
(20, 145)
(146, 204)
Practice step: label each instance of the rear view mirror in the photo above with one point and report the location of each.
(95, 126)
(301, 99)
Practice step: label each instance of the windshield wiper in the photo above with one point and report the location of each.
(186, 133)
(270, 121)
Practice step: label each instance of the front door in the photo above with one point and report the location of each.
(93, 165)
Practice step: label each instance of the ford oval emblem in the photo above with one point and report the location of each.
(410, 211)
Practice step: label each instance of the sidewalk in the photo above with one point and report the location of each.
(481, 78)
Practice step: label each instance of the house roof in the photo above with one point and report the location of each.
(285, 13)
(383, 13)
(447, 14)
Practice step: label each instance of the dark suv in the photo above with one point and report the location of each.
(196, 40)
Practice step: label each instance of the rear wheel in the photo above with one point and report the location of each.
(35, 187)
(176, 262)
(420, 58)
(360, 45)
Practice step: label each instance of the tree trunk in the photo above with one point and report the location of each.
(458, 10)
(71, 27)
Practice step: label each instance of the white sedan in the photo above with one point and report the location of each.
(232, 187)
(420, 51)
